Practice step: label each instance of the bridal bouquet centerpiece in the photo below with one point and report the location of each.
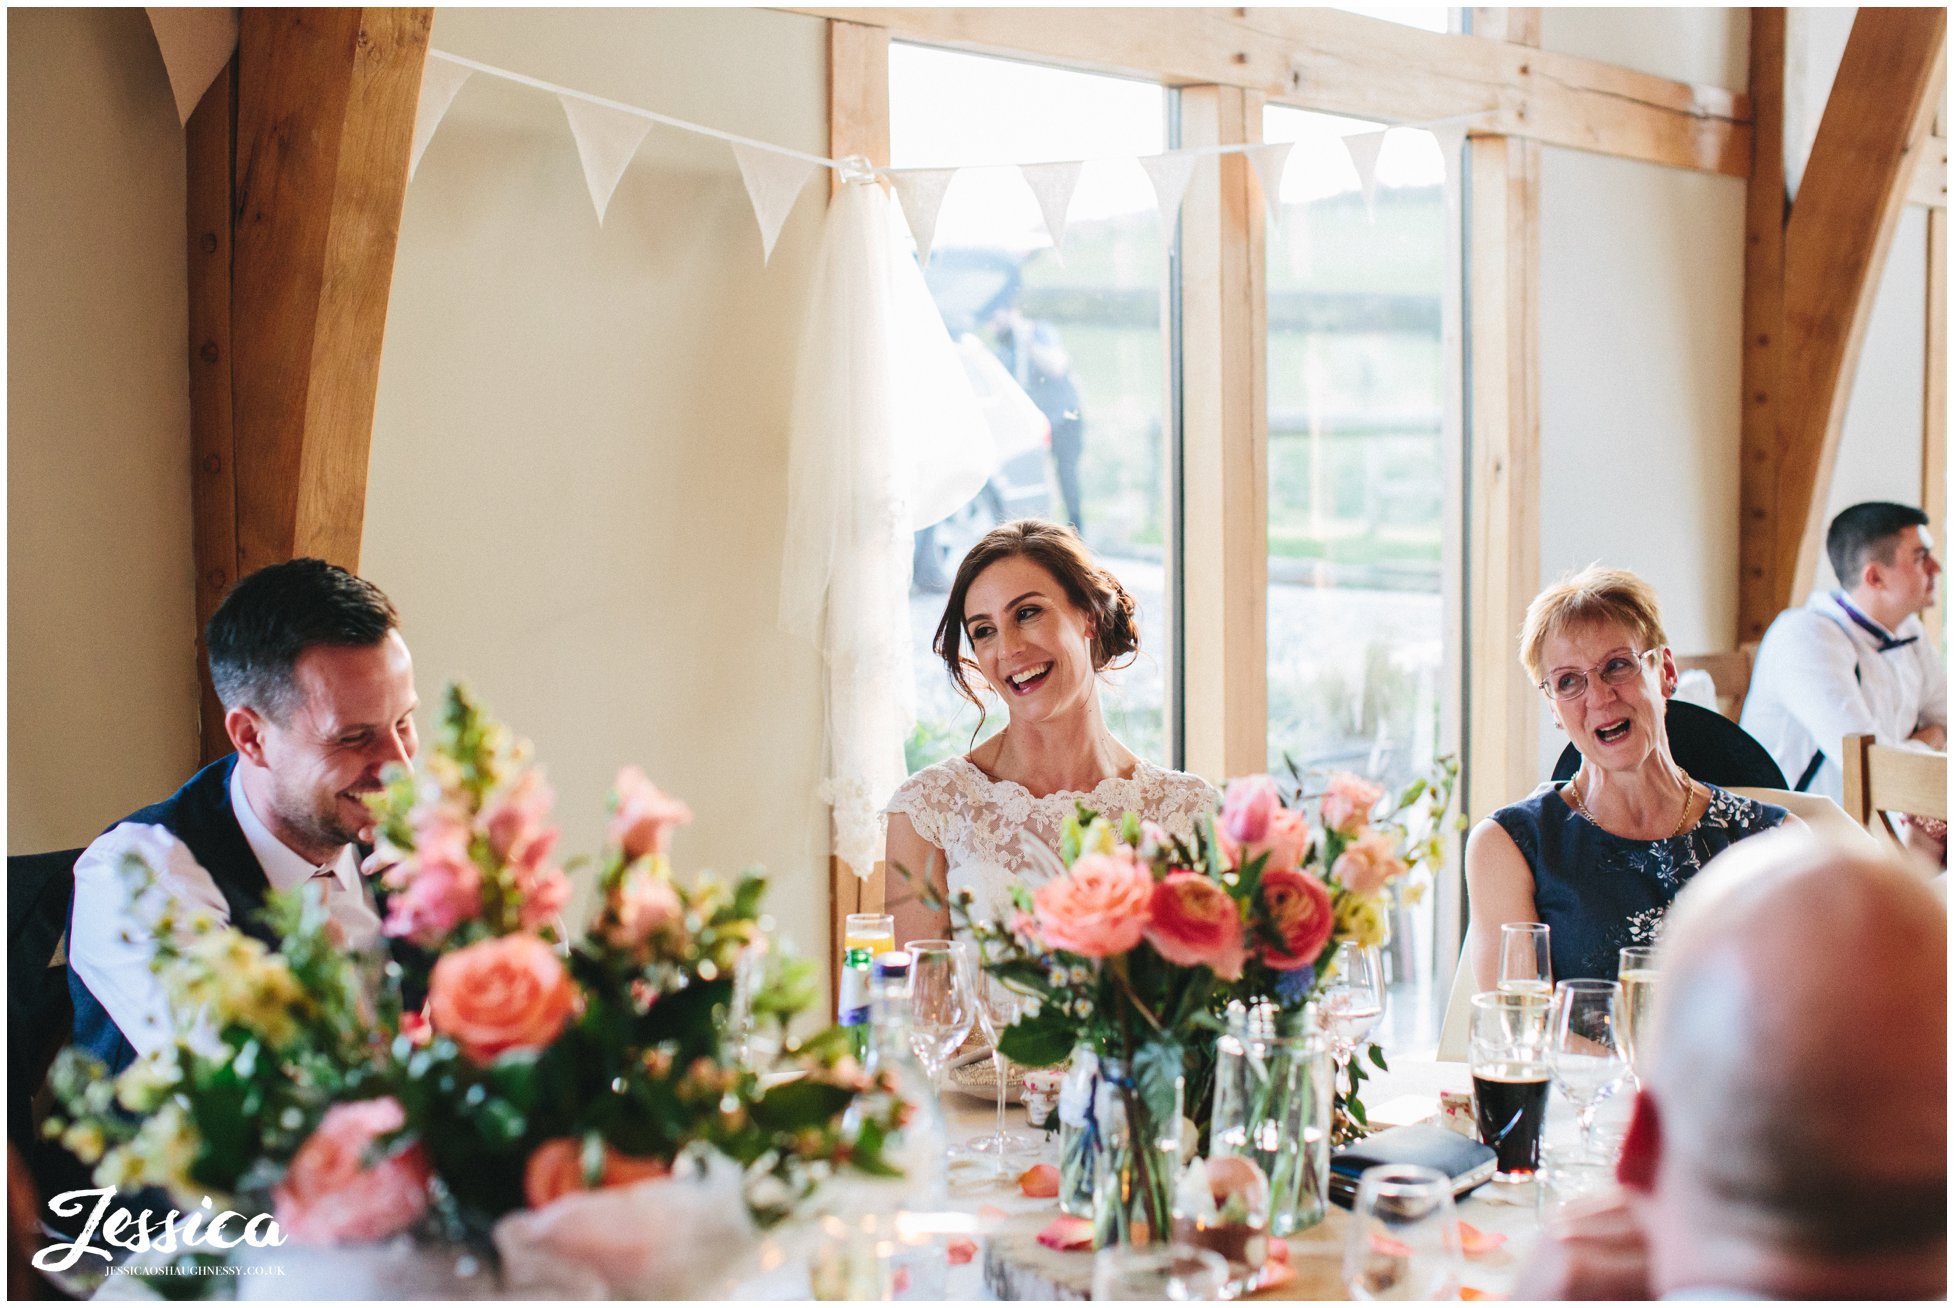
(576, 1108)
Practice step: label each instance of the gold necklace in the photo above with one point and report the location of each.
(1682, 818)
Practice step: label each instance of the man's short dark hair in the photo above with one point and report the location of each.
(276, 614)
(1866, 531)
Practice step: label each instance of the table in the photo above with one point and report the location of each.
(1013, 1262)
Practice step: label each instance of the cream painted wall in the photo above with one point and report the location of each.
(1710, 47)
(101, 675)
(580, 452)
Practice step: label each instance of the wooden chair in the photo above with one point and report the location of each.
(1729, 671)
(1884, 779)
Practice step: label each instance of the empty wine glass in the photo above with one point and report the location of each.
(1353, 1001)
(997, 1007)
(1525, 964)
(941, 1007)
(1404, 1236)
(1582, 1053)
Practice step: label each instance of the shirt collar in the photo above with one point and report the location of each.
(284, 867)
(1883, 639)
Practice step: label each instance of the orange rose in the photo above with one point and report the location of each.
(556, 1169)
(511, 992)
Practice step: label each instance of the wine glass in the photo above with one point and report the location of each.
(1404, 1236)
(1586, 1062)
(1525, 965)
(1353, 1001)
(941, 1007)
(1638, 974)
(997, 1007)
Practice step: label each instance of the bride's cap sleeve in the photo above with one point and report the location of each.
(925, 800)
(1189, 797)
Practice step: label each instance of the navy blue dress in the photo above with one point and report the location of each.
(1601, 893)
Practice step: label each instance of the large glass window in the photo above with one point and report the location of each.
(1066, 347)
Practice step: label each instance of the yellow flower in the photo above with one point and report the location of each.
(237, 981)
(1360, 918)
(1098, 838)
(145, 1082)
(84, 1140)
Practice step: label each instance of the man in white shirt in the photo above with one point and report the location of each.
(1853, 660)
(318, 693)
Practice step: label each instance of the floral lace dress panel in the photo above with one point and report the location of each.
(996, 834)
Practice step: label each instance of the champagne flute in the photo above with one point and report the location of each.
(1525, 963)
(941, 1006)
(1404, 1236)
(1353, 1002)
(997, 1007)
(1586, 1062)
(1638, 974)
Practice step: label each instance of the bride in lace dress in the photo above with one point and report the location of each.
(1041, 620)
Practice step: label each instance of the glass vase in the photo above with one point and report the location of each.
(1137, 1115)
(1078, 1140)
(1272, 1099)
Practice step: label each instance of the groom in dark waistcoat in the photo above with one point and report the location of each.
(318, 694)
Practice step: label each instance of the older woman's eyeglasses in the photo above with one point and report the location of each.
(1615, 670)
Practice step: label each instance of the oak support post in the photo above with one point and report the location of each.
(1933, 445)
(1758, 585)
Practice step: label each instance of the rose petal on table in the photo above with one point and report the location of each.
(1278, 1250)
(991, 1212)
(1384, 1244)
(1274, 1274)
(1067, 1233)
(1469, 1295)
(1475, 1241)
(962, 1250)
(899, 1283)
(1039, 1181)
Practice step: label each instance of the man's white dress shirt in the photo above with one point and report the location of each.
(112, 933)
(1825, 672)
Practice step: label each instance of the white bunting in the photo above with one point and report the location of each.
(440, 81)
(1450, 138)
(1052, 185)
(1363, 148)
(1269, 161)
(920, 191)
(773, 182)
(1170, 174)
(196, 44)
(606, 140)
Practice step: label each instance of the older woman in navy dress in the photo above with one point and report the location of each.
(1600, 859)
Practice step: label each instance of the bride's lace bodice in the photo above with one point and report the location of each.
(995, 834)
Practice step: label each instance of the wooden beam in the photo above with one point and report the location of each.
(1759, 588)
(1835, 244)
(1345, 63)
(213, 479)
(1224, 443)
(325, 115)
(1933, 445)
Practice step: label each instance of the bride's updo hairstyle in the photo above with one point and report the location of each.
(1057, 549)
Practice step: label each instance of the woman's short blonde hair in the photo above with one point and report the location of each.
(1594, 594)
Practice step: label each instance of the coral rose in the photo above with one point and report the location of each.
(556, 1169)
(1285, 842)
(643, 817)
(1247, 808)
(330, 1195)
(1297, 906)
(1098, 908)
(1367, 863)
(511, 992)
(1196, 924)
(1348, 801)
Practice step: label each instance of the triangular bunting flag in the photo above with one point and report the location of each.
(773, 182)
(1269, 161)
(1170, 174)
(606, 140)
(1451, 139)
(196, 44)
(920, 191)
(1363, 148)
(1052, 185)
(440, 80)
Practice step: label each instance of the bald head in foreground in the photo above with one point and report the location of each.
(1790, 1137)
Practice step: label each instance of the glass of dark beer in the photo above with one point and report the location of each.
(1509, 1078)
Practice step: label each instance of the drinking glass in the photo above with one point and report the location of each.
(1404, 1236)
(1525, 965)
(1508, 1051)
(875, 932)
(1569, 1182)
(941, 1007)
(1638, 977)
(1353, 1001)
(997, 1007)
(1582, 1052)
(1154, 1272)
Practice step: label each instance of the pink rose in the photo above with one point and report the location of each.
(517, 821)
(648, 909)
(1196, 924)
(436, 890)
(1285, 842)
(510, 992)
(1367, 863)
(1348, 802)
(330, 1195)
(1297, 906)
(1098, 908)
(1247, 808)
(544, 891)
(556, 1169)
(643, 816)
